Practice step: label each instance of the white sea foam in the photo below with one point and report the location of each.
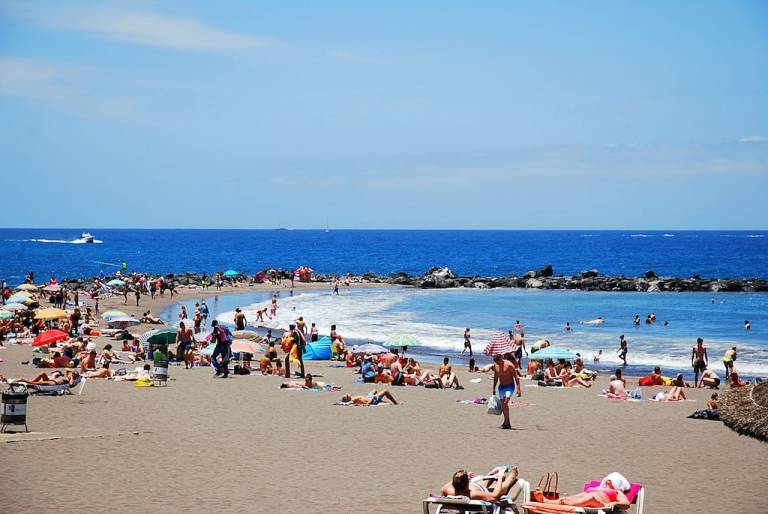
(669, 235)
(377, 315)
(640, 235)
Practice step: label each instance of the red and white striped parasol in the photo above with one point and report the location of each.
(499, 344)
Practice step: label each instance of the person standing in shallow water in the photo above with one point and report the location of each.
(623, 349)
(467, 342)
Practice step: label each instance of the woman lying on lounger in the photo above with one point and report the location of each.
(55, 378)
(373, 398)
(610, 492)
(488, 488)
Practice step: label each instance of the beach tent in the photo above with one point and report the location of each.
(551, 352)
(320, 350)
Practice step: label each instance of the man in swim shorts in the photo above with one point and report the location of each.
(699, 360)
(506, 376)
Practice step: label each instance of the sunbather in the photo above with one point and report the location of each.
(55, 378)
(675, 394)
(570, 380)
(488, 488)
(616, 390)
(735, 381)
(609, 493)
(374, 398)
(99, 373)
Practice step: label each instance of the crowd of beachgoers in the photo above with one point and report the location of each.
(63, 328)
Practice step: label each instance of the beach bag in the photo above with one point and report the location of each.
(636, 394)
(494, 405)
(550, 481)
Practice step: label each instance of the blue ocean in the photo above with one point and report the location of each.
(710, 254)
(438, 318)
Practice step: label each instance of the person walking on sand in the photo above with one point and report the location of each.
(623, 348)
(699, 360)
(467, 343)
(184, 340)
(506, 377)
(137, 292)
(220, 338)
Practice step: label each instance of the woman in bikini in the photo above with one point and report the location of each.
(488, 488)
(594, 497)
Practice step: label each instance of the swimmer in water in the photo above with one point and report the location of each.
(567, 327)
(594, 322)
(747, 325)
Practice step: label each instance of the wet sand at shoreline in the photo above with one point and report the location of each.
(244, 444)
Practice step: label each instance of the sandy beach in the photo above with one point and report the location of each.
(243, 444)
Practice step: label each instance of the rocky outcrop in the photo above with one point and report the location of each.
(544, 278)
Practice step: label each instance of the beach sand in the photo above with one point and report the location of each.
(243, 444)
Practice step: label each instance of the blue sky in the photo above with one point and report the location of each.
(386, 114)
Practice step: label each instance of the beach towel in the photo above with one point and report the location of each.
(708, 414)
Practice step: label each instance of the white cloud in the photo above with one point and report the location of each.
(48, 84)
(131, 26)
(754, 139)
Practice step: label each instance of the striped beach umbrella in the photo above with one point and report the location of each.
(499, 344)
(401, 340)
(165, 335)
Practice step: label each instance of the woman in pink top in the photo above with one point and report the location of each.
(595, 497)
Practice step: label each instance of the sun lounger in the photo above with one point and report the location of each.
(520, 493)
(55, 390)
(635, 495)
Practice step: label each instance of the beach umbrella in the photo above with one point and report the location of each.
(122, 321)
(15, 307)
(745, 410)
(50, 313)
(27, 287)
(53, 288)
(245, 346)
(499, 344)
(116, 282)
(6, 315)
(554, 353)
(231, 273)
(249, 335)
(165, 335)
(401, 340)
(113, 314)
(49, 337)
(369, 348)
(25, 294)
